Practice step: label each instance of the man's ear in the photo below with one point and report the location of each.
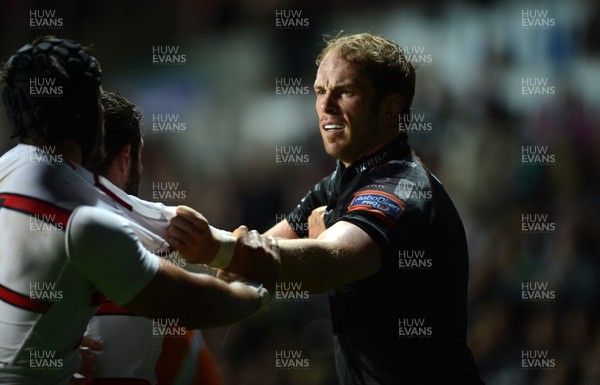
(391, 106)
(123, 159)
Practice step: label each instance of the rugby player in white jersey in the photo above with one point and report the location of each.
(134, 349)
(59, 252)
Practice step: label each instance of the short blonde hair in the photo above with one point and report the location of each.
(381, 60)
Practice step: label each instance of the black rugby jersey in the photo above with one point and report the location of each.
(406, 324)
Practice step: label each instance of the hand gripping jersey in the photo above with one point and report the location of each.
(57, 257)
(406, 324)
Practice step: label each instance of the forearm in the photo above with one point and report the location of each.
(213, 303)
(341, 255)
(313, 263)
(282, 230)
(196, 300)
(103, 246)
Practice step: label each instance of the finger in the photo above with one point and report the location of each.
(254, 238)
(88, 362)
(227, 276)
(178, 245)
(188, 212)
(87, 368)
(183, 236)
(263, 242)
(240, 231)
(188, 225)
(273, 244)
(193, 216)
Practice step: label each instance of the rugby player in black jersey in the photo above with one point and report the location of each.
(393, 255)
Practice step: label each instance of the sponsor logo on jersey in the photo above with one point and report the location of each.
(382, 204)
(372, 162)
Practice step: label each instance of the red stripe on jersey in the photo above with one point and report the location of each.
(44, 211)
(111, 194)
(120, 381)
(22, 301)
(73, 166)
(110, 308)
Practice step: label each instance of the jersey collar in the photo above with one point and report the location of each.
(394, 148)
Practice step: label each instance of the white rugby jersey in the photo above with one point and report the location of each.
(132, 344)
(49, 281)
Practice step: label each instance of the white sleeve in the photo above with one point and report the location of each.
(104, 247)
(151, 215)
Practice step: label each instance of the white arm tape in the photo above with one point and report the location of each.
(225, 238)
(226, 248)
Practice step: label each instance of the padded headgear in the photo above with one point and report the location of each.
(71, 112)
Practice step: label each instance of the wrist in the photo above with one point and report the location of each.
(226, 248)
(263, 294)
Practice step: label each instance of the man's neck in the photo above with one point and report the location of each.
(71, 151)
(387, 138)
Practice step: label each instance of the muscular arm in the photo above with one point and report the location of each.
(199, 301)
(342, 254)
(282, 230)
(246, 254)
(106, 250)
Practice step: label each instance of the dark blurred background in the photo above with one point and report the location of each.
(476, 60)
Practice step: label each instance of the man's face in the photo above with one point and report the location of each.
(350, 122)
(134, 174)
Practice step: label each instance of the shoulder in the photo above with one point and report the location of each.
(395, 186)
(399, 177)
